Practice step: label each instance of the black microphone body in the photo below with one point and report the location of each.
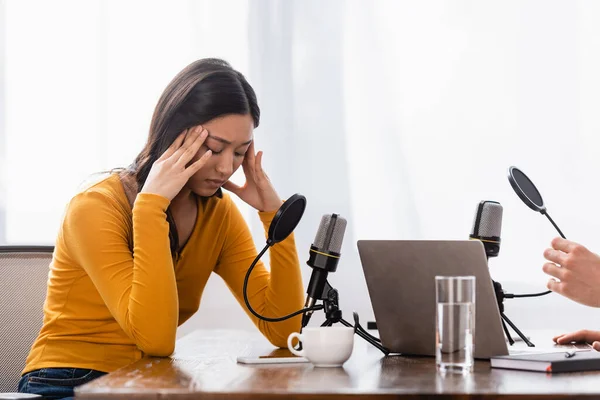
(322, 265)
(323, 258)
(487, 227)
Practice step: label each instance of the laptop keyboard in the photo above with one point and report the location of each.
(557, 348)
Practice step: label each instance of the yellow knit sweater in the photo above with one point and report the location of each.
(115, 292)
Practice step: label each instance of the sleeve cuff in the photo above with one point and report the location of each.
(151, 200)
(266, 217)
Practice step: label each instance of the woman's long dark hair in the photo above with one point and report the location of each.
(204, 90)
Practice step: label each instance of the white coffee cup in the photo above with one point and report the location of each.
(324, 346)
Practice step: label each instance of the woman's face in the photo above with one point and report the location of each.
(228, 138)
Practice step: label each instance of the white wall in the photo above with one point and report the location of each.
(411, 113)
(435, 101)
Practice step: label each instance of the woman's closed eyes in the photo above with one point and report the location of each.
(217, 152)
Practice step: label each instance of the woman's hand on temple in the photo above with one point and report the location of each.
(582, 336)
(578, 270)
(171, 171)
(258, 191)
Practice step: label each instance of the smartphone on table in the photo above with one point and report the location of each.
(277, 356)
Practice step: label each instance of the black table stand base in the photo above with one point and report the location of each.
(505, 320)
(333, 315)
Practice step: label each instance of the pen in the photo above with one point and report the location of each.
(570, 353)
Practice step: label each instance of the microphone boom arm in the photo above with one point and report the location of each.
(521, 296)
(257, 315)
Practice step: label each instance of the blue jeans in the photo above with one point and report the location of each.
(56, 383)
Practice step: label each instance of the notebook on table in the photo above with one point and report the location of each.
(587, 360)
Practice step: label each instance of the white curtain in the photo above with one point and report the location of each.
(399, 115)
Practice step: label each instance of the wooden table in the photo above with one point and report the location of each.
(204, 366)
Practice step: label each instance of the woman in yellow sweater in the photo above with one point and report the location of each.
(135, 250)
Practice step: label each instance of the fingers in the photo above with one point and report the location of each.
(560, 339)
(565, 338)
(190, 147)
(583, 335)
(555, 338)
(596, 346)
(563, 245)
(174, 146)
(248, 170)
(260, 173)
(571, 289)
(194, 167)
(558, 272)
(250, 154)
(248, 164)
(555, 256)
(232, 187)
(555, 286)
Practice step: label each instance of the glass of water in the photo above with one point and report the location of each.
(455, 323)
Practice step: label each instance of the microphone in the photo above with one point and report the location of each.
(323, 258)
(487, 226)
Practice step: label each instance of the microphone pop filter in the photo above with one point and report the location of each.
(286, 219)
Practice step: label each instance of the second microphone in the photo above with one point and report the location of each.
(323, 258)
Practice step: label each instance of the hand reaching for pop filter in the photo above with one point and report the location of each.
(258, 191)
(578, 270)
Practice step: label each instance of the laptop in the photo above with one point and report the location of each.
(400, 276)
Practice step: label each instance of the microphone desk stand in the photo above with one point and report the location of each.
(333, 315)
(505, 320)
